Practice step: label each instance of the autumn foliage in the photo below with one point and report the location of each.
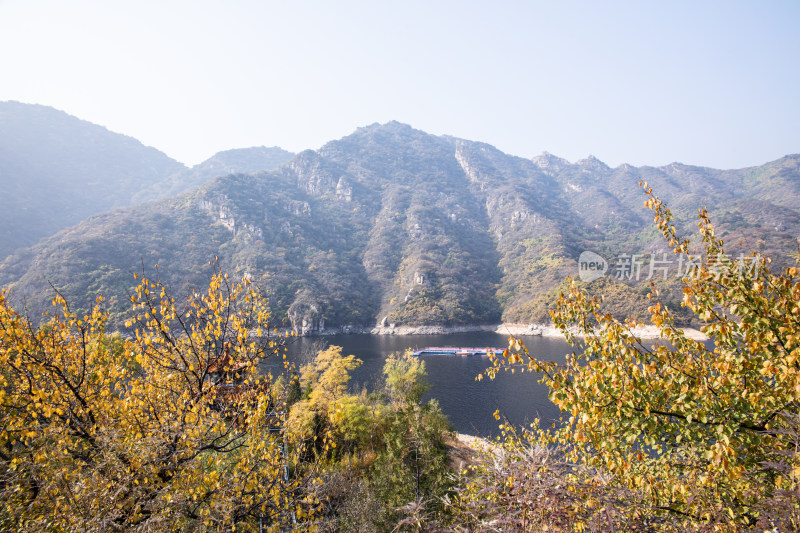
(146, 433)
(678, 435)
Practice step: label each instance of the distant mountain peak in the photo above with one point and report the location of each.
(392, 125)
(247, 160)
(253, 152)
(592, 163)
(392, 128)
(395, 134)
(550, 163)
(234, 161)
(682, 167)
(548, 158)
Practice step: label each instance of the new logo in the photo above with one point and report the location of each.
(591, 266)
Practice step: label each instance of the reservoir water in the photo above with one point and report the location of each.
(469, 404)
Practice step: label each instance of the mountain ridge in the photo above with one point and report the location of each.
(56, 169)
(236, 160)
(393, 225)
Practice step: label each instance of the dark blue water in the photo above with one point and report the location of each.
(469, 404)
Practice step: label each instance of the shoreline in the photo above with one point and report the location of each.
(526, 330)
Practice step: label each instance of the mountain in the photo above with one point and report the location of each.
(56, 170)
(393, 225)
(240, 160)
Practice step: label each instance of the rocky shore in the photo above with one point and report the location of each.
(544, 330)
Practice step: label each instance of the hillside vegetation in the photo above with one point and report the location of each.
(392, 225)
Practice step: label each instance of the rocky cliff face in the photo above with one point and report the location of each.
(391, 225)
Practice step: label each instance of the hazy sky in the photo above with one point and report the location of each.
(709, 83)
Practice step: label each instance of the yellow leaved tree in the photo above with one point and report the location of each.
(678, 435)
(174, 428)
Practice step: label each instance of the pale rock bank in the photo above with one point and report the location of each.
(544, 330)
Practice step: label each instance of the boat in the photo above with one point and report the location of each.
(450, 350)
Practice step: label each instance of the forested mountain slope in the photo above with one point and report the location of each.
(393, 225)
(56, 170)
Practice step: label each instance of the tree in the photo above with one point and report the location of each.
(704, 436)
(405, 379)
(412, 473)
(173, 428)
(327, 405)
(327, 377)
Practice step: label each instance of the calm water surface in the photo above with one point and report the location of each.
(469, 404)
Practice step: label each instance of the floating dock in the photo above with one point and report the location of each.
(449, 350)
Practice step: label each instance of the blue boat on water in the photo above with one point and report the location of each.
(449, 350)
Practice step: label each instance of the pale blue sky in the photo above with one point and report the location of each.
(708, 83)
